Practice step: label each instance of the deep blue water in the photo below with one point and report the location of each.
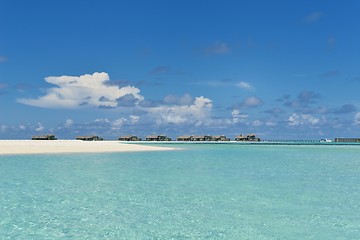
(205, 191)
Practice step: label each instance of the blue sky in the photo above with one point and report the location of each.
(279, 69)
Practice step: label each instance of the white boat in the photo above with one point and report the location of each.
(325, 140)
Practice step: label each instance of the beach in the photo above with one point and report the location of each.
(70, 146)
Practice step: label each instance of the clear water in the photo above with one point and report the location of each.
(201, 192)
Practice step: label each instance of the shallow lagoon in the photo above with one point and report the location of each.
(204, 191)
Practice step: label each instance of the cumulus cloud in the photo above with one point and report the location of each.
(244, 85)
(271, 124)
(99, 126)
(196, 113)
(102, 120)
(357, 119)
(85, 90)
(239, 117)
(302, 119)
(39, 128)
(134, 119)
(68, 123)
(118, 123)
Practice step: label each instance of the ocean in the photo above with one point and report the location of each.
(203, 191)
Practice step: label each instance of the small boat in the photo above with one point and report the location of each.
(325, 140)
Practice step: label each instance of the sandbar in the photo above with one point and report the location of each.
(14, 147)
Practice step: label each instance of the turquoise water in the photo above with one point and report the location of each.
(200, 192)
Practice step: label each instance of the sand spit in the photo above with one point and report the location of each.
(70, 146)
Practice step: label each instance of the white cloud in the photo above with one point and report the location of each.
(197, 113)
(91, 90)
(239, 117)
(68, 123)
(134, 119)
(118, 123)
(22, 127)
(244, 85)
(102, 120)
(98, 126)
(39, 127)
(271, 124)
(302, 119)
(357, 119)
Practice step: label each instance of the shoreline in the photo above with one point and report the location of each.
(21, 147)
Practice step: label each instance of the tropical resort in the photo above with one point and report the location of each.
(247, 138)
(44, 137)
(203, 138)
(161, 138)
(129, 138)
(89, 138)
(197, 138)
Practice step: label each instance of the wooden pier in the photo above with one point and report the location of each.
(290, 141)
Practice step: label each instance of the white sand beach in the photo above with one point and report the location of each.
(70, 146)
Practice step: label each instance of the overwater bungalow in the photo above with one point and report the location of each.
(201, 138)
(89, 138)
(184, 138)
(240, 138)
(219, 138)
(158, 138)
(44, 137)
(129, 138)
(247, 138)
